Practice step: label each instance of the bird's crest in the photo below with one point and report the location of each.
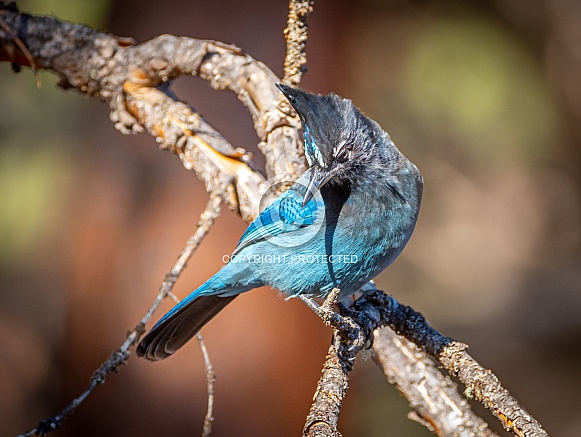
(326, 120)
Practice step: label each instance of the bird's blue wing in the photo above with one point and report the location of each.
(284, 215)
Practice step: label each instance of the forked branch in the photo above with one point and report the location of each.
(134, 81)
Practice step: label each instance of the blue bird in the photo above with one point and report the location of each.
(343, 222)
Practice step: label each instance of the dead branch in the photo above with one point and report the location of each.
(434, 397)
(134, 81)
(296, 38)
(484, 386)
(331, 389)
(348, 341)
(376, 309)
(120, 356)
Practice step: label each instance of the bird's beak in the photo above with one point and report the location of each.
(319, 177)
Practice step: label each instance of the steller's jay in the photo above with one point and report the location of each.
(343, 222)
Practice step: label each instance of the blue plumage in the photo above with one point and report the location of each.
(343, 222)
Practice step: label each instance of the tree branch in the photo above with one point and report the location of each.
(331, 389)
(348, 340)
(439, 408)
(133, 80)
(434, 397)
(486, 388)
(120, 356)
(296, 38)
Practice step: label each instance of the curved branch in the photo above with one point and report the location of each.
(132, 80)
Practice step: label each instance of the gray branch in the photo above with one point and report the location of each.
(134, 81)
(428, 392)
(433, 396)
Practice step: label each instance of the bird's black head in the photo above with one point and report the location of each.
(342, 146)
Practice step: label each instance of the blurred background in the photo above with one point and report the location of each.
(484, 96)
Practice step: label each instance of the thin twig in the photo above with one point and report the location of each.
(211, 380)
(207, 219)
(121, 355)
(296, 38)
(343, 325)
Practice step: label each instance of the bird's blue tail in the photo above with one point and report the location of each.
(184, 320)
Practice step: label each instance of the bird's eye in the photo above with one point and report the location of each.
(343, 154)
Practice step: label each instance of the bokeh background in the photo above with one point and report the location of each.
(484, 96)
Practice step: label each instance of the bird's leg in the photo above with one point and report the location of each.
(348, 329)
(326, 311)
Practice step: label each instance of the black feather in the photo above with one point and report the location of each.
(166, 338)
